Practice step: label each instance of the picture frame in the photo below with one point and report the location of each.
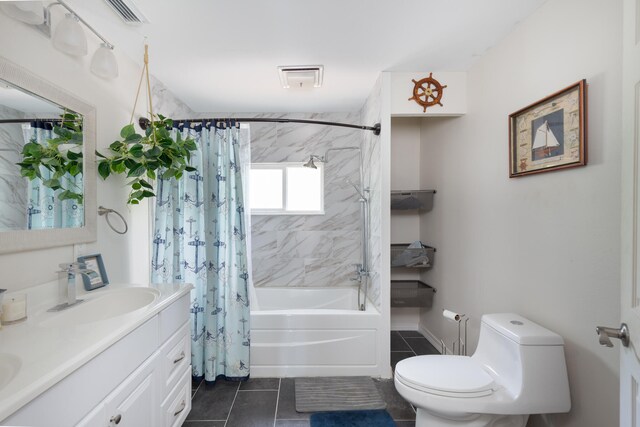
(99, 278)
(550, 134)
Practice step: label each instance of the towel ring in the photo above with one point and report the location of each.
(106, 211)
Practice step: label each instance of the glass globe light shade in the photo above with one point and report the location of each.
(31, 12)
(103, 63)
(69, 36)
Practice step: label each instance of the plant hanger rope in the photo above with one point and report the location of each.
(143, 157)
(143, 74)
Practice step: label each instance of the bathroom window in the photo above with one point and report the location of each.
(286, 189)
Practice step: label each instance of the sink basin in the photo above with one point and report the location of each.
(9, 367)
(108, 304)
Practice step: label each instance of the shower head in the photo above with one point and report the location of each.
(310, 163)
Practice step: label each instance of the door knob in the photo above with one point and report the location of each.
(605, 334)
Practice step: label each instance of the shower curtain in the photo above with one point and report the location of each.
(45, 209)
(201, 237)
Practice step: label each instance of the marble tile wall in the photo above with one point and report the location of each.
(309, 250)
(13, 188)
(370, 114)
(167, 103)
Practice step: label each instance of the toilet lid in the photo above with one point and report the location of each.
(455, 376)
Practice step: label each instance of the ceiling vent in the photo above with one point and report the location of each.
(305, 76)
(128, 11)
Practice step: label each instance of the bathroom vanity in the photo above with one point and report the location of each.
(122, 357)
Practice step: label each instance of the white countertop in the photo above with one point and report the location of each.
(49, 354)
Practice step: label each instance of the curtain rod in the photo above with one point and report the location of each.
(144, 122)
(31, 120)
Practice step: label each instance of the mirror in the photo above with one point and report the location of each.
(47, 164)
(40, 162)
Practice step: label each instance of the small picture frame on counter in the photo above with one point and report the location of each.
(97, 278)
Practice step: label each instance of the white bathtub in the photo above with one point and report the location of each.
(298, 332)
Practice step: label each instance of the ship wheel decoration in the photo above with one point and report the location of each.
(427, 92)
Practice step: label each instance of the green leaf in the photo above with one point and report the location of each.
(133, 138)
(136, 186)
(136, 194)
(75, 169)
(146, 193)
(127, 130)
(104, 169)
(145, 184)
(100, 155)
(116, 146)
(131, 164)
(118, 167)
(151, 174)
(133, 202)
(136, 150)
(73, 156)
(52, 183)
(153, 152)
(139, 170)
(169, 173)
(190, 169)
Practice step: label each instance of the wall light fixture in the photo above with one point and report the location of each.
(69, 36)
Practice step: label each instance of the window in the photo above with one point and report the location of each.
(286, 189)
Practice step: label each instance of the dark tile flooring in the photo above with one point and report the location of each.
(270, 402)
(406, 344)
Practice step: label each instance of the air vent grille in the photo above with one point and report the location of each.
(128, 11)
(302, 76)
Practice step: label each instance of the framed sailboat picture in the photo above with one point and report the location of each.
(550, 134)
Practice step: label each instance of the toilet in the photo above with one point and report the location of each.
(518, 369)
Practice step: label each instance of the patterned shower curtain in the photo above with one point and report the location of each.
(45, 209)
(200, 237)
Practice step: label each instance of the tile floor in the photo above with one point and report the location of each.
(270, 402)
(406, 344)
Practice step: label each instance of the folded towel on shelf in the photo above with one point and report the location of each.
(412, 256)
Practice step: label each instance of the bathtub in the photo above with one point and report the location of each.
(297, 332)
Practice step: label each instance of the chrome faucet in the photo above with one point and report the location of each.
(67, 284)
(360, 273)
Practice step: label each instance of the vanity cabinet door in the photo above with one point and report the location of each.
(135, 402)
(94, 418)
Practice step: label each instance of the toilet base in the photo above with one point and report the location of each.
(426, 419)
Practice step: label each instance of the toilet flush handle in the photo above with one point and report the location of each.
(606, 333)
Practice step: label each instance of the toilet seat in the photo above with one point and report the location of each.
(451, 376)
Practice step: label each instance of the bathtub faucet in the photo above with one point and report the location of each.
(360, 273)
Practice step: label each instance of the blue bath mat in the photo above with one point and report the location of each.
(377, 418)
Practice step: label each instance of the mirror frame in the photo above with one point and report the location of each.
(26, 240)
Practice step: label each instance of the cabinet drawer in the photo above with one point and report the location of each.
(173, 317)
(175, 355)
(178, 404)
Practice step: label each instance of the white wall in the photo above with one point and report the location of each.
(545, 246)
(405, 225)
(113, 101)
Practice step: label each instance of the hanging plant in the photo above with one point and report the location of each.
(145, 157)
(61, 155)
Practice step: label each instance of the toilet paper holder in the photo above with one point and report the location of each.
(461, 342)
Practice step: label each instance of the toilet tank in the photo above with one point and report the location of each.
(527, 360)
